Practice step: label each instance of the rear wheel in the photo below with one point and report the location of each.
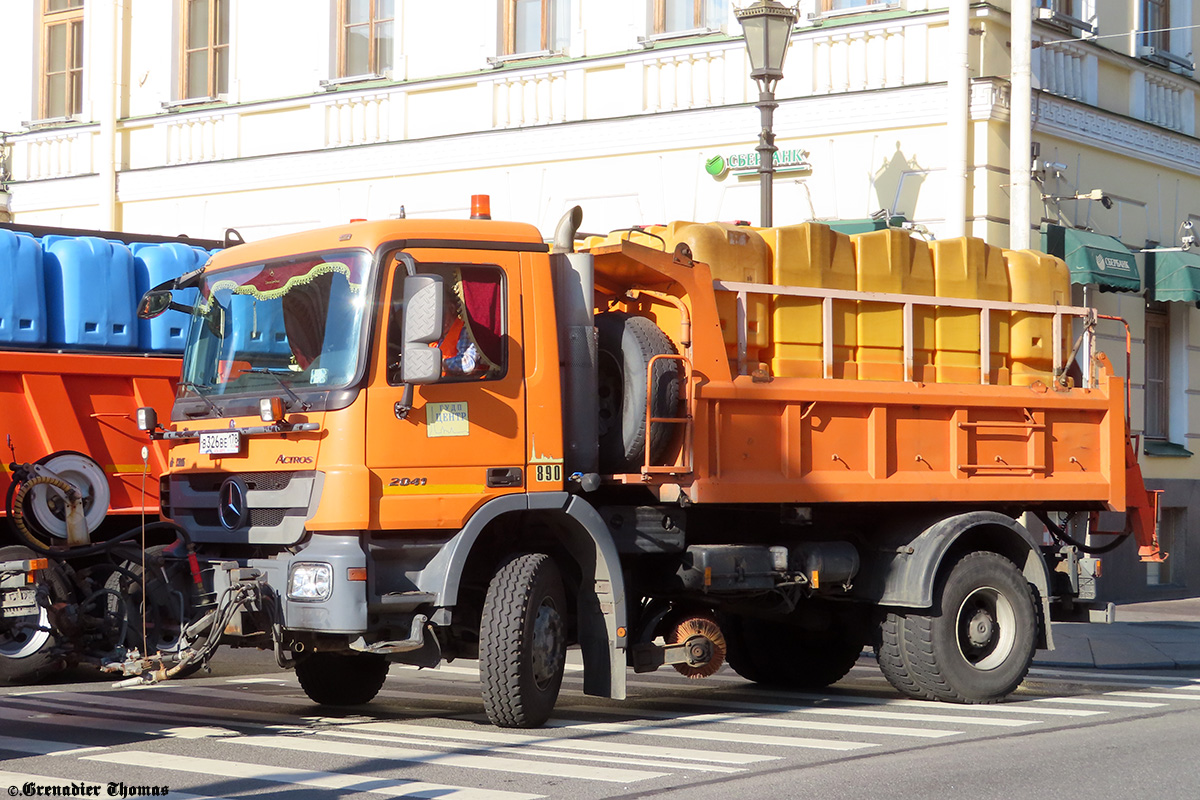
(29, 646)
(342, 679)
(523, 642)
(979, 644)
(777, 654)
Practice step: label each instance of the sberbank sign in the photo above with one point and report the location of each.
(1107, 261)
(786, 160)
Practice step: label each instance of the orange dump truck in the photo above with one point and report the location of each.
(76, 364)
(694, 444)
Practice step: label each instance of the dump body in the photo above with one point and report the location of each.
(766, 439)
(87, 403)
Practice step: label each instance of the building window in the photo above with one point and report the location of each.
(675, 16)
(62, 58)
(368, 33)
(1156, 18)
(532, 26)
(1059, 6)
(206, 48)
(844, 5)
(1157, 363)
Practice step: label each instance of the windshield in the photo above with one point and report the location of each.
(294, 321)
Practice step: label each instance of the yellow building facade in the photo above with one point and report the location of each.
(191, 116)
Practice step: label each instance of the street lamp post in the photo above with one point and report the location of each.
(768, 28)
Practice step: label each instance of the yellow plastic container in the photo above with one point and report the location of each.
(733, 253)
(636, 236)
(969, 268)
(893, 261)
(1036, 278)
(811, 255)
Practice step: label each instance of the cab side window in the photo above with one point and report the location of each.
(474, 330)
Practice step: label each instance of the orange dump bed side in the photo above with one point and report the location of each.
(837, 441)
(87, 403)
(759, 438)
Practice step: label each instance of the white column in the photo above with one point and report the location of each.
(1020, 135)
(958, 117)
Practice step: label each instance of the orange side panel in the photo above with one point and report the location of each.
(813, 441)
(87, 403)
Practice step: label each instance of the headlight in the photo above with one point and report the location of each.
(310, 581)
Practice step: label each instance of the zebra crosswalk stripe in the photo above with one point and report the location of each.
(778, 708)
(1154, 695)
(526, 740)
(1096, 701)
(711, 735)
(304, 777)
(523, 766)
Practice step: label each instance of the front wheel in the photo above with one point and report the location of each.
(978, 645)
(523, 642)
(30, 646)
(341, 679)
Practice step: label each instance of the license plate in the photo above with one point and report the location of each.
(221, 444)
(18, 602)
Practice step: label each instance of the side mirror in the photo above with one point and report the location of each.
(154, 303)
(424, 308)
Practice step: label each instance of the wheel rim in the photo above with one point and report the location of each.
(987, 630)
(20, 644)
(547, 645)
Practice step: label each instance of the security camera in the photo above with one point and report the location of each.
(1096, 194)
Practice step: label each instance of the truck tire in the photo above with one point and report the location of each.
(626, 344)
(978, 644)
(894, 659)
(30, 648)
(781, 655)
(342, 679)
(523, 642)
(168, 604)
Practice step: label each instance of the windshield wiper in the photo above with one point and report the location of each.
(196, 388)
(304, 406)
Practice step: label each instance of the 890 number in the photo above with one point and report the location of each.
(548, 473)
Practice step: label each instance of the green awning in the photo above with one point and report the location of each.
(1175, 276)
(853, 226)
(1093, 258)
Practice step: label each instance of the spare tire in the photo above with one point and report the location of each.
(625, 345)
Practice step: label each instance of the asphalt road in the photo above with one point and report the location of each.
(246, 729)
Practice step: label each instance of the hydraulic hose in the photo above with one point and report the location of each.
(1061, 535)
(17, 515)
(16, 509)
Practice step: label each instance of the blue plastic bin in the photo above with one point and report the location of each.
(153, 264)
(90, 293)
(22, 290)
(259, 329)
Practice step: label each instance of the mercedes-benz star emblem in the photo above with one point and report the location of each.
(231, 503)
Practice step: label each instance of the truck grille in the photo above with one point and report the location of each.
(255, 481)
(277, 505)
